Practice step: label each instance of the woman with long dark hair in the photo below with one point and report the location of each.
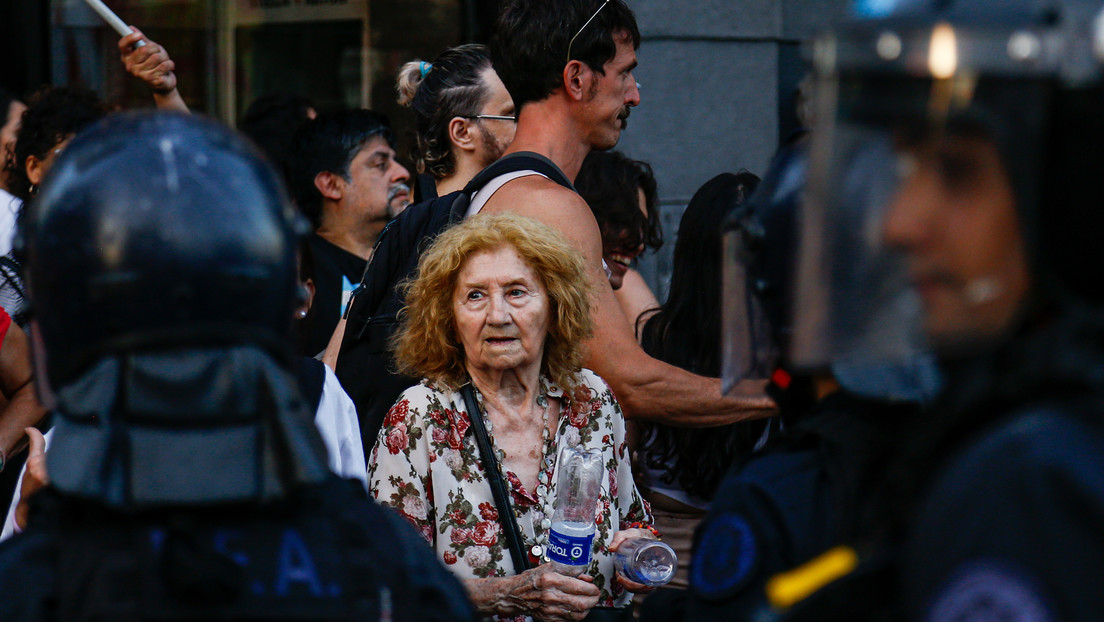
(679, 468)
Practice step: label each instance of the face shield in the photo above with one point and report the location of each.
(757, 268)
(904, 117)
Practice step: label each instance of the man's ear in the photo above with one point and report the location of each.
(461, 135)
(577, 77)
(329, 185)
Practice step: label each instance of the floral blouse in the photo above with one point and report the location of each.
(426, 465)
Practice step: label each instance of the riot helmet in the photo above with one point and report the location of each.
(987, 115)
(162, 277)
(760, 277)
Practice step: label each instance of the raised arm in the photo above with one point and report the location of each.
(152, 65)
(647, 388)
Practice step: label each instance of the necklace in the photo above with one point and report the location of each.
(541, 515)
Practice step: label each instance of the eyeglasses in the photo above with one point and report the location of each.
(570, 43)
(500, 117)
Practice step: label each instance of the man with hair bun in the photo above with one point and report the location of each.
(465, 117)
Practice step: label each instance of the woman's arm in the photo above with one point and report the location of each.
(398, 468)
(23, 409)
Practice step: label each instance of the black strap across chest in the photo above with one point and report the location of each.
(494, 478)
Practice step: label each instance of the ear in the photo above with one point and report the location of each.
(577, 77)
(329, 185)
(35, 170)
(309, 286)
(461, 135)
(306, 298)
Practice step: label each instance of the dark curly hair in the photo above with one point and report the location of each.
(530, 45)
(686, 332)
(608, 182)
(53, 114)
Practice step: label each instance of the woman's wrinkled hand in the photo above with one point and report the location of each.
(618, 538)
(540, 592)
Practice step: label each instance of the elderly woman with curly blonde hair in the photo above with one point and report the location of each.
(503, 302)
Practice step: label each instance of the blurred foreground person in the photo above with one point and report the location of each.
(987, 155)
(187, 480)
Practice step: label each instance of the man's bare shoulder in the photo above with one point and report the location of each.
(544, 200)
(535, 193)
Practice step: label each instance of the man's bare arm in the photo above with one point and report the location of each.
(647, 388)
(636, 300)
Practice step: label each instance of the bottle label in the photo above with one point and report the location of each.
(570, 550)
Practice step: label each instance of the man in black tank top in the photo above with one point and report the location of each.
(570, 101)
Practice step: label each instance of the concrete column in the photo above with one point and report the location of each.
(717, 81)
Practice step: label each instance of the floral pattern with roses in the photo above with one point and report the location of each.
(464, 530)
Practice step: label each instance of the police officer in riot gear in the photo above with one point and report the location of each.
(986, 123)
(187, 479)
(807, 489)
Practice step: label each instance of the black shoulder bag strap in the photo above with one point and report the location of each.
(494, 478)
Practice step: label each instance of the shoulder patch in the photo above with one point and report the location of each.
(726, 557)
(989, 591)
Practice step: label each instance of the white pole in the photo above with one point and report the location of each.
(112, 19)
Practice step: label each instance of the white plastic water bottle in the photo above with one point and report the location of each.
(646, 561)
(577, 487)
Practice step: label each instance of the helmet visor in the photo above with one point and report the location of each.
(747, 347)
(887, 140)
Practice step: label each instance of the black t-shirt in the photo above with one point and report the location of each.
(336, 273)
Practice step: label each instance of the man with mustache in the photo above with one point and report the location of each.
(568, 65)
(345, 178)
